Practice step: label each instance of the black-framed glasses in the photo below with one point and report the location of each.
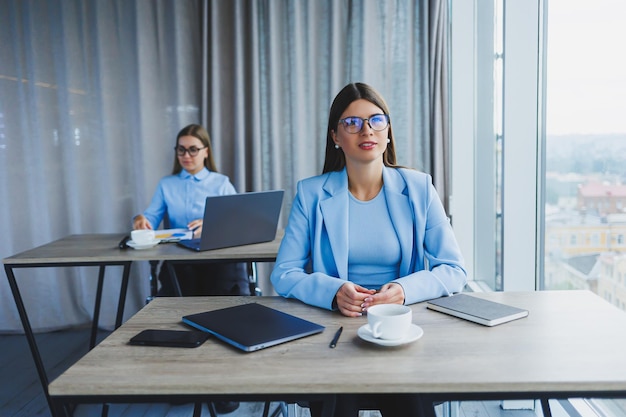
(355, 124)
(192, 151)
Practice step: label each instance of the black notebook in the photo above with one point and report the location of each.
(478, 310)
(252, 326)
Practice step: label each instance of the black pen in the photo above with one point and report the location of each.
(333, 343)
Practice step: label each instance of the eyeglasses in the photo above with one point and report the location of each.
(376, 122)
(192, 151)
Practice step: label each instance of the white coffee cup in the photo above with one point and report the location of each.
(142, 236)
(389, 321)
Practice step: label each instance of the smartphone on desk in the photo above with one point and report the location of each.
(169, 338)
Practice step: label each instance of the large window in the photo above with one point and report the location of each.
(585, 153)
(539, 143)
(539, 148)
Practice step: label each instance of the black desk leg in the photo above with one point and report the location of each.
(98, 303)
(197, 409)
(266, 409)
(154, 286)
(96, 308)
(427, 405)
(30, 337)
(174, 278)
(328, 405)
(123, 290)
(545, 407)
(62, 409)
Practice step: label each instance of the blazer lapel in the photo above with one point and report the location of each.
(401, 215)
(335, 214)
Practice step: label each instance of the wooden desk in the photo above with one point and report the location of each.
(102, 250)
(571, 345)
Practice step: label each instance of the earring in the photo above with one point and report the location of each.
(388, 140)
(336, 146)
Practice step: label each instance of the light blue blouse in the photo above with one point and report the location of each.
(374, 253)
(183, 197)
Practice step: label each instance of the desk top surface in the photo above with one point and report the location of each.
(103, 248)
(571, 341)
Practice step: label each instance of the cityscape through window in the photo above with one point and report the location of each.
(585, 152)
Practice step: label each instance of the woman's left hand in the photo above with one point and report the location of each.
(196, 226)
(390, 293)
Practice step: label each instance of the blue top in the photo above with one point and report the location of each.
(371, 264)
(183, 197)
(313, 259)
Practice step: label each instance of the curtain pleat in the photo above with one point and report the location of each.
(438, 103)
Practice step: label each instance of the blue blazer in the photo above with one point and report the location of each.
(312, 262)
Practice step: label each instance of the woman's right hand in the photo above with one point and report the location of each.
(350, 299)
(140, 222)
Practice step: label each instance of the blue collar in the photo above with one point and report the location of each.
(198, 177)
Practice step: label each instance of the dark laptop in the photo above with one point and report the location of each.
(238, 219)
(252, 326)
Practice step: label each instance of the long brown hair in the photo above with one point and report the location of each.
(335, 160)
(197, 131)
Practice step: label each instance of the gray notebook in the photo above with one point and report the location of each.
(252, 326)
(238, 219)
(478, 310)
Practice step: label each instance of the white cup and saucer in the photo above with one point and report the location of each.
(390, 325)
(142, 239)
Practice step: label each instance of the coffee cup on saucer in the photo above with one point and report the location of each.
(142, 236)
(389, 321)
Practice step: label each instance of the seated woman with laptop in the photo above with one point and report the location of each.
(180, 197)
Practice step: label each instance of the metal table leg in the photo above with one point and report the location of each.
(96, 308)
(123, 291)
(30, 337)
(28, 331)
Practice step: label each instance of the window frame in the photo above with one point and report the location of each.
(473, 206)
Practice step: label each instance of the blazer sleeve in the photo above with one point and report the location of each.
(439, 270)
(291, 277)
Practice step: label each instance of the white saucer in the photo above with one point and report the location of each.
(143, 245)
(415, 332)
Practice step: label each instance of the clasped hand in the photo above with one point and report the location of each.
(353, 300)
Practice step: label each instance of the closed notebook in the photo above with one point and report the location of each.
(478, 310)
(252, 326)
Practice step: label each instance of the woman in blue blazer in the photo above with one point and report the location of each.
(366, 231)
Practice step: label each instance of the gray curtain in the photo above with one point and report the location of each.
(273, 67)
(93, 92)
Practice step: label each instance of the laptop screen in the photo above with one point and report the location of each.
(238, 219)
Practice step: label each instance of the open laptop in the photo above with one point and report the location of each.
(252, 326)
(238, 219)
